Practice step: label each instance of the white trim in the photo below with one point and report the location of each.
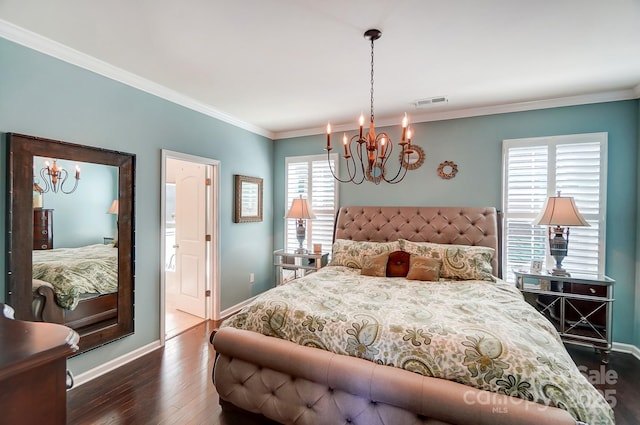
(213, 223)
(612, 96)
(57, 50)
(621, 347)
(113, 364)
(234, 309)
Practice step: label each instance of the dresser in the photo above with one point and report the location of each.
(33, 371)
(42, 228)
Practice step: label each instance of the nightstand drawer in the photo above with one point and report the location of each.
(582, 289)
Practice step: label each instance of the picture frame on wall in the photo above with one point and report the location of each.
(248, 199)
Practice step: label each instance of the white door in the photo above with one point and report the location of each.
(191, 238)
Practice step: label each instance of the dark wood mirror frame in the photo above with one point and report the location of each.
(20, 154)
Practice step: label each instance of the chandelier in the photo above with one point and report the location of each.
(372, 150)
(55, 178)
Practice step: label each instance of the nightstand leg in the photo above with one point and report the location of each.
(604, 355)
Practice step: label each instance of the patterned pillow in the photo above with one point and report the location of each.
(461, 262)
(423, 268)
(351, 253)
(375, 265)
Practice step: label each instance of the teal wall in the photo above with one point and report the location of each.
(475, 144)
(45, 97)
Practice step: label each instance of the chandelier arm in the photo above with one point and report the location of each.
(45, 180)
(360, 160)
(388, 153)
(331, 169)
(354, 176)
(75, 186)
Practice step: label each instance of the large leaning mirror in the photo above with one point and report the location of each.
(70, 237)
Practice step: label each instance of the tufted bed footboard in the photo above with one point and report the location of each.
(294, 384)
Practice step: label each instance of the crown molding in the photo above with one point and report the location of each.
(611, 96)
(57, 50)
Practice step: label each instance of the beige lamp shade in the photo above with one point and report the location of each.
(113, 209)
(300, 209)
(560, 211)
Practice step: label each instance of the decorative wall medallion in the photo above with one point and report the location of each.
(376, 173)
(414, 160)
(447, 170)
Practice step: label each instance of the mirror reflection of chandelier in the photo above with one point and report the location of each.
(54, 179)
(373, 150)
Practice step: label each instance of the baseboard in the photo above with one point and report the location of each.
(234, 309)
(626, 348)
(114, 364)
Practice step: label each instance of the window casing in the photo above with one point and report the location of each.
(311, 177)
(536, 168)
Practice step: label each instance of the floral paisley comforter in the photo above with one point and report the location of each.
(478, 333)
(75, 271)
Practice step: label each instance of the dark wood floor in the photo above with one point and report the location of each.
(173, 386)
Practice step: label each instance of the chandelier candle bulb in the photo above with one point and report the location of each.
(345, 141)
(328, 136)
(77, 172)
(382, 147)
(361, 121)
(404, 127)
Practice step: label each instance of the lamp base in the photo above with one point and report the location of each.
(560, 272)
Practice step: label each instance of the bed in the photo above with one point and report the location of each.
(76, 287)
(459, 348)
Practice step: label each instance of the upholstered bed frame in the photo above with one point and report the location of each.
(294, 384)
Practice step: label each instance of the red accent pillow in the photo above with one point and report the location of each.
(398, 264)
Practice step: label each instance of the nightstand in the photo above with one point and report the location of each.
(580, 306)
(297, 264)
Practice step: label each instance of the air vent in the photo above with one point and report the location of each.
(423, 103)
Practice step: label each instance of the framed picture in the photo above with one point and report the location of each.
(536, 266)
(248, 205)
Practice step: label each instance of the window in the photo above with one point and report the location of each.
(536, 168)
(311, 177)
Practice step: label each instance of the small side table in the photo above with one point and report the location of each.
(108, 240)
(579, 306)
(299, 263)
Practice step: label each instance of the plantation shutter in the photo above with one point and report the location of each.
(533, 170)
(311, 177)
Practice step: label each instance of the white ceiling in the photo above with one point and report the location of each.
(287, 67)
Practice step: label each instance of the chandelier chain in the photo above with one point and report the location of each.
(372, 79)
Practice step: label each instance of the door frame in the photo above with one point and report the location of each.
(212, 280)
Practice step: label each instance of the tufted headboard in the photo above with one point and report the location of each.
(444, 225)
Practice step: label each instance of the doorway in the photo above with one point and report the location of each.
(190, 244)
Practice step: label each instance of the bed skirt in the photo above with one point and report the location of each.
(293, 384)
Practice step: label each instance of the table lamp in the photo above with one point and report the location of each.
(560, 211)
(301, 211)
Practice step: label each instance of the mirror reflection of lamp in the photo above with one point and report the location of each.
(560, 211)
(301, 211)
(113, 209)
